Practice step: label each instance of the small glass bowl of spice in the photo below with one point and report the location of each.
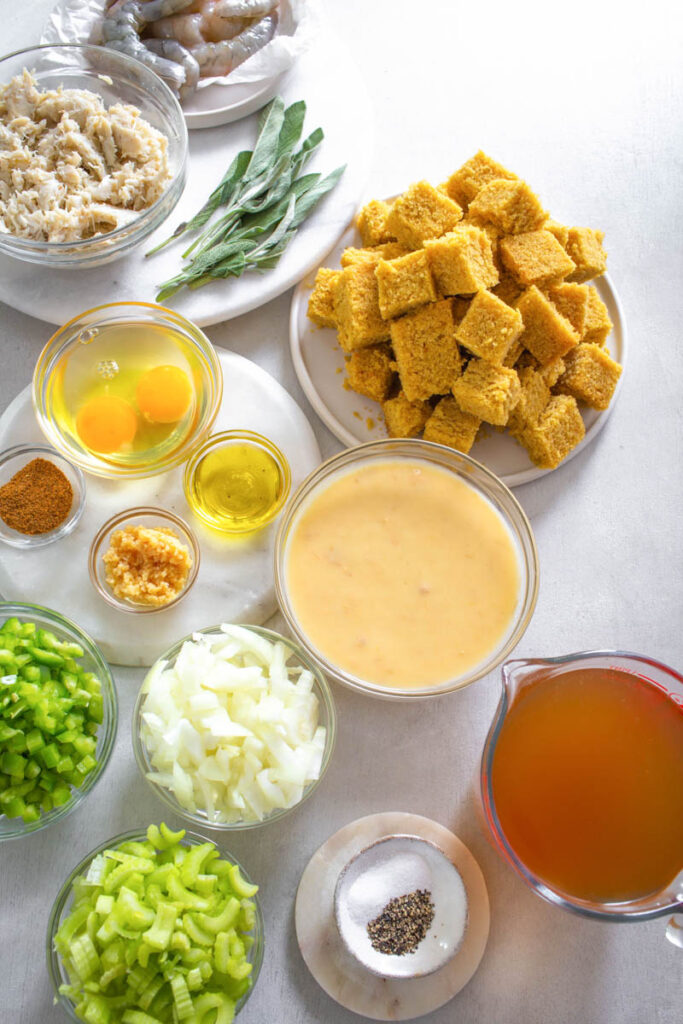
(401, 907)
(42, 495)
(237, 481)
(144, 560)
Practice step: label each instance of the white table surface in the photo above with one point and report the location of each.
(586, 103)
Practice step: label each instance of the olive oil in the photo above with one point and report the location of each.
(238, 486)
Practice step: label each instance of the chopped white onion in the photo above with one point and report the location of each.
(230, 728)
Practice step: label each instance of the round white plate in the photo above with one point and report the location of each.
(235, 581)
(342, 976)
(223, 104)
(353, 419)
(58, 295)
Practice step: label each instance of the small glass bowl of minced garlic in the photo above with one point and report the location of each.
(237, 481)
(144, 560)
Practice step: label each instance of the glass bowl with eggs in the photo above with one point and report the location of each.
(101, 159)
(127, 389)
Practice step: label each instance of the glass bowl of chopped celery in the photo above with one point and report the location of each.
(58, 717)
(234, 727)
(155, 926)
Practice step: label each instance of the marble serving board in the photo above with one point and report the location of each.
(235, 581)
(343, 977)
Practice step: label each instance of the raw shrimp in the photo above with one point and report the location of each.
(244, 8)
(202, 25)
(171, 49)
(121, 29)
(223, 57)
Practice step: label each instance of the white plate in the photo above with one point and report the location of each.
(353, 419)
(58, 295)
(235, 581)
(223, 104)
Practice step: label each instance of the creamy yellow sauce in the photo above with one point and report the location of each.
(402, 574)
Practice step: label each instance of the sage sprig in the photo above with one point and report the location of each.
(261, 201)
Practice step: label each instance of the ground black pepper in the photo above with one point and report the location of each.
(402, 924)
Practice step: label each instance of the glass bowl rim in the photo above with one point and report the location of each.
(70, 523)
(583, 908)
(110, 716)
(117, 520)
(132, 835)
(324, 695)
(123, 232)
(53, 350)
(520, 528)
(224, 438)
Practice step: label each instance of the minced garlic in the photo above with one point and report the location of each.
(147, 565)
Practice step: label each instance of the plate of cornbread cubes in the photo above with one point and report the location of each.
(464, 314)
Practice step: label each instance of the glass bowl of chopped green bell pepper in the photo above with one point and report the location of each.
(155, 927)
(58, 717)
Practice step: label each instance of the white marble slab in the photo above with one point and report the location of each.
(235, 580)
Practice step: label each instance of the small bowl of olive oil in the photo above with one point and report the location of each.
(237, 481)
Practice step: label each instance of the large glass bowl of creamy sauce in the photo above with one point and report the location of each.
(405, 568)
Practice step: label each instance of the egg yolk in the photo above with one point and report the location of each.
(106, 423)
(164, 394)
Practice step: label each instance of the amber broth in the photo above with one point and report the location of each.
(587, 782)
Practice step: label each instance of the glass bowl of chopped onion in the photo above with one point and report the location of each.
(58, 717)
(234, 727)
(106, 176)
(144, 560)
(125, 910)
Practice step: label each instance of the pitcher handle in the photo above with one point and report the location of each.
(674, 931)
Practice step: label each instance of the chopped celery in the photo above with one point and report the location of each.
(157, 934)
(50, 709)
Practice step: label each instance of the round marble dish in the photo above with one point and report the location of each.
(235, 580)
(339, 973)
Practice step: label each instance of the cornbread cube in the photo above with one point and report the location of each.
(403, 417)
(533, 399)
(321, 302)
(558, 430)
(404, 284)
(584, 246)
(489, 327)
(572, 302)
(552, 371)
(427, 354)
(476, 172)
(449, 425)
(507, 288)
(487, 391)
(462, 261)
(547, 333)
(598, 324)
(356, 307)
(370, 372)
(535, 257)
(559, 231)
(422, 212)
(372, 223)
(590, 376)
(388, 251)
(510, 205)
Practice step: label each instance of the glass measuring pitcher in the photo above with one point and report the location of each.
(582, 783)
